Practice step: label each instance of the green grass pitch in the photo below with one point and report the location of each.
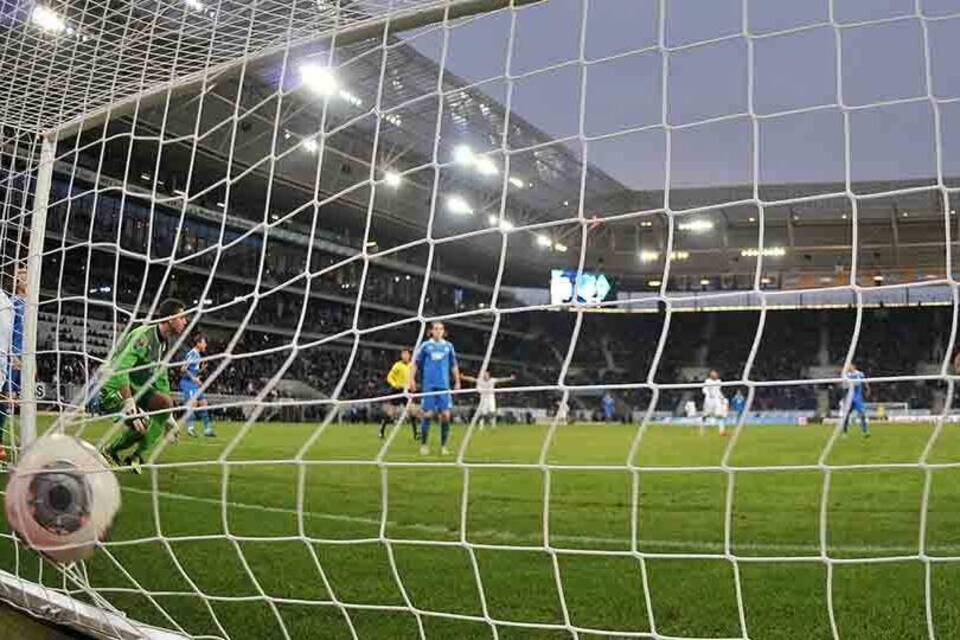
(224, 552)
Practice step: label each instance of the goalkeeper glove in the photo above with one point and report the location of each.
(171, 429)
(132, 415)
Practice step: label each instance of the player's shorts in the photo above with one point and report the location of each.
(713, 408)
(399, 401)
(191, 392)
(12, 384)
(858, 405)
(487, 407)
(438, 402)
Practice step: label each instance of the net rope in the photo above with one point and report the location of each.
(61, 86)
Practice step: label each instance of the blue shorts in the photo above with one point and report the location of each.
(858, 406)
(12, 385)
(191, 392)
(438, 402)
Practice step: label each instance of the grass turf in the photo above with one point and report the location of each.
(224, 550)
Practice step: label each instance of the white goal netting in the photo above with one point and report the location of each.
(601, 201)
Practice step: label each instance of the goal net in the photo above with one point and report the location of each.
(604, 204)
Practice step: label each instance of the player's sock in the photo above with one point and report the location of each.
(846, 421)
(863, 423)
(191, 423)
(383, 426)
(444, 433)
(207, 423)
(413, 426)
(424, 430)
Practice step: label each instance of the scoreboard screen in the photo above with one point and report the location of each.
(589, 288)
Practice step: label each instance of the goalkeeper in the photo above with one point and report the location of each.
(135, 386)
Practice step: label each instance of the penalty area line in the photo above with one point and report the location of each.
(508, 537)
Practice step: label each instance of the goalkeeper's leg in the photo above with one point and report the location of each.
(205, 416)
(112, 403)
(158, 426)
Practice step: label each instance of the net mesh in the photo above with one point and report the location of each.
(311, 177)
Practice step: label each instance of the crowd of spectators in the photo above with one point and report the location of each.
(284, 295)
(610, 349)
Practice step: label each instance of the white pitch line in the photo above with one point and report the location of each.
(507, 537)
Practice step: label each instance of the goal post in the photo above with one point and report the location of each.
(34, 263)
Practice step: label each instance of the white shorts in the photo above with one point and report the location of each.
(487, 406)
(714, 408)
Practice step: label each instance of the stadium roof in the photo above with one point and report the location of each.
(67, 62)
(138, 45)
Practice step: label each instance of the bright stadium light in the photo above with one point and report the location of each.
(772, 252)
(543, 240)
(646, 223)
(492, 219)
(196, 5)
(486, 166)
(506, 225)
(649, 256)
(393, 179)
(517, 182)
(696, 225)
(704, 282)
(457, 204)
(47, 19)
(310, 145)
(463, 154)
(318, 79)
(349, 97)
(652, 256)
(653, 283)
(561, 248)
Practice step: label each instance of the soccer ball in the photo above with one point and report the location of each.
(62, 497)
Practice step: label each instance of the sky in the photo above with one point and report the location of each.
(881, 60)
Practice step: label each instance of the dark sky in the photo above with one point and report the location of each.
(881, 61)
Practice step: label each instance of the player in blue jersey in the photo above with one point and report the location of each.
(11, 385)
(608, 406)
(738, 403)
(190, 384)
(436, 362)
(856, 388)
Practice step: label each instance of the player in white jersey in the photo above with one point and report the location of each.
(563, 411)
(714, 407)
(486, 387)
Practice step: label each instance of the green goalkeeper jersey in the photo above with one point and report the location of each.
(143, 347)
